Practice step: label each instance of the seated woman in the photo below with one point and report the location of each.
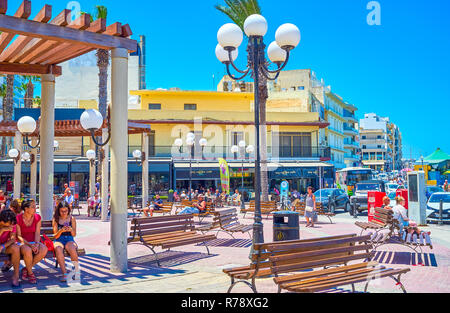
(29, 235)
(65, 229)
(400, 212)
(199, 207)
(386, 203)
(8, 244)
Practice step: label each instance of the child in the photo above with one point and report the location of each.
(8, 244)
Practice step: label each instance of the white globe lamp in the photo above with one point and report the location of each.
(13, 153)
(91, 120)
(250, 149)
(178, 142)
(26, 125)
(222, 54)
(255, 25)
(242, 144)
(276, 54)
(288, 36)
(25, 156)
(203, 142)
(230, 36)
(90, 154)
(234, 149)
(55, 144)
(137, 154)
(190, 142)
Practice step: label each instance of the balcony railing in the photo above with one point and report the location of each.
(216, 152)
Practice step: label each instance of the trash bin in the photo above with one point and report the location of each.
(286, 226)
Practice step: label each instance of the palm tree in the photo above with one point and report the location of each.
(29, 91)
(238, 11)
(102, 63)
(3, 96)
(8, 105)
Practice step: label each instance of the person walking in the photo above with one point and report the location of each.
(310, 207)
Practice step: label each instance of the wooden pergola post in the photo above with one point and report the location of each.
(17, 165)
(47, 133)
(119, 159)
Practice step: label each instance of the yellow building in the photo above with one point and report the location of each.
(224, 119)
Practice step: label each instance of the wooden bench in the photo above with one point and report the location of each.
(47, 229)
(383, 219)
(267, 207)
(326, 263)
(182, 205)
(226, 221)
(384, 230)
(320, 210)
(166, 232)
(260, 265)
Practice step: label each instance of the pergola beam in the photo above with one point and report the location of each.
(29, 69)
(43, 17)
(23, 12)
(24, 27)
(62, 19)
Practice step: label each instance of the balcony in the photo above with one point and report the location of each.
(350, 130)
(213, 153)
(350, 116)
(348, 144)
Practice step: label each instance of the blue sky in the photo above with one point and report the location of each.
(398, 69)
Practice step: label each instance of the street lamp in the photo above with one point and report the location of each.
(190, 142)
(235, 149)
(91, 120)
(15, 155)
(230, 37)
(90, 155)
(139, 156)
(421, 159)
(26, 126)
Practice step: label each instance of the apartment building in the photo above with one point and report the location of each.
(381, 143)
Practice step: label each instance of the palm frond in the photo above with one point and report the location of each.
(239, 10)
(101, 12)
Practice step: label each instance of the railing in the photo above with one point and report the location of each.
(348, 128)
(216, 152)
(351, 142)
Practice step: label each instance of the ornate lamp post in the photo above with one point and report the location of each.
(26, 126)
(92, 120)
(14, 154)
(230, 37)
(190, 142)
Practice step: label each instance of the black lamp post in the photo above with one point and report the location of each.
(230, 37)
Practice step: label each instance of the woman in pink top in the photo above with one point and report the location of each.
(8, 242)
(29, 235)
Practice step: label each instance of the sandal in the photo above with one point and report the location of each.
(16, 286)
(64, 277)
(24, 273)
(32, 278)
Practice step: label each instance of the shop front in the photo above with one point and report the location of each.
(202, 178)
(159, 178)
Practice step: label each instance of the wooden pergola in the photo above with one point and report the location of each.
(36, 47)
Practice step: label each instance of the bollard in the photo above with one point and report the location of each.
(441, 205)
(355, 212)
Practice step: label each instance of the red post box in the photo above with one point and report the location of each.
(374, 200)
(403, 193)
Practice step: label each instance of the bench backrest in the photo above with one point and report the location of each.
(225, 217)
(161, 224)
(297, 256)
(384, 216)
(300, 207)
(311, 252)
(47, 229)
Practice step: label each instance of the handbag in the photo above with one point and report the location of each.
(48, 243)
(309, 209)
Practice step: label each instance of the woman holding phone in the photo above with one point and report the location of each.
(29, 238)
(65, 229)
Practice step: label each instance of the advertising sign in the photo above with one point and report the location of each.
(224, 176)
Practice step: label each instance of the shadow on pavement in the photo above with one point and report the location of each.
(221, 242)
(405, 258)
(170, 258)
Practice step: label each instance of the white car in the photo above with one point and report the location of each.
(391, 187)
(433, 206)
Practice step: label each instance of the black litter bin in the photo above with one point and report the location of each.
(286, 226)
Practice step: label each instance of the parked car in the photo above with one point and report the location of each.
(433, 206)
(333, 199)
(391, 187)
(361, 193)
(432, 189)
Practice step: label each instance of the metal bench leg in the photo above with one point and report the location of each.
(233, 283)
(156, 255)
(207, 249)
(353, 288)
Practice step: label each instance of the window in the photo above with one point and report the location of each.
(154, 106)
(378, 137)
(379, 147)
(295, 145)
(363, 137)
(301, 88)
(190, 106)
(364, 147)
